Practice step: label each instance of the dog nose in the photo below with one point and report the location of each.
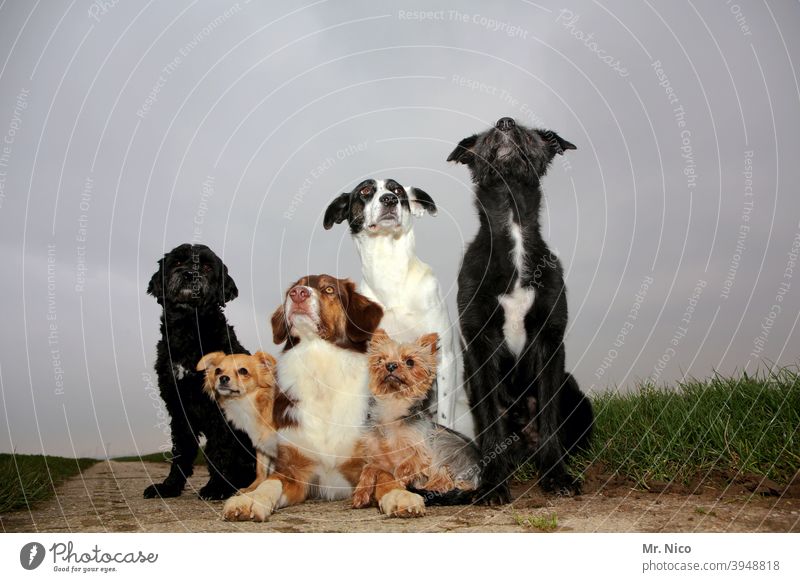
(505, 123)
(299, 294)
(224, 380)
(391, 366)
(389, 200)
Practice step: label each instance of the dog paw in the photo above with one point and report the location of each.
(238, 508)
(215, 491)
(402, 503)
(492, 495)
(163, 490)
(362, 498)
(561, 484)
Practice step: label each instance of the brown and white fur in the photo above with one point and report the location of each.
(245, 388)
(324, 325)
(404, 447)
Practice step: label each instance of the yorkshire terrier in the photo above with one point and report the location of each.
(409, 458)
(245, 388)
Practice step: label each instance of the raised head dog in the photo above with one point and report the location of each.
(406, 452)
(324, 325)
(512, 305)
(245, 387)
(379, 213)
(192, 285)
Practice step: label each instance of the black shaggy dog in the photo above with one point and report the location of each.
(513, 309)
(192, 285)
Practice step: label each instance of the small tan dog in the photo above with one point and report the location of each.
(404, 448)
(245, 388)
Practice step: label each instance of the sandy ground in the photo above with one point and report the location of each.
(108, 498)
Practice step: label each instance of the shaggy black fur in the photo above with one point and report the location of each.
(525, 405)
(192, 285)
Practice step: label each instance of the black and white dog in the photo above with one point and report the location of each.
(512, 305)
(192, 285)
(380, 213)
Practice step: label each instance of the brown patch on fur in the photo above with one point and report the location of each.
(282, 410)
(346, 318)
(294, 470)
(414, 366)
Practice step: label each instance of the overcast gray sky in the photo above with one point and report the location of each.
(128, 128)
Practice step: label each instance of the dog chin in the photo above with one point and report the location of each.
(303, 325)
(385, 224)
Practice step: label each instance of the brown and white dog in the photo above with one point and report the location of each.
(246, 389)
(324, 325)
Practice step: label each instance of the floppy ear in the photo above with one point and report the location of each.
(430, 341)
(229, 289)
(463, 153)
(363, 315)
(280, 327)
(337, 211)
(555, 143)
(209, 361)
(421, 202)
(156, 285)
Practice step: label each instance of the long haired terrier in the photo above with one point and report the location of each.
(409, 458)
(245, 388)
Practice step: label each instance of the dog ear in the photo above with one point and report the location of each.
(421, 202)
(378, 338)
(229, 289)
(156, 285)
(463, 153)
(209, 361)
(280, 327)
(430, 341)
(266, 364)
(363, 315)
(337, 211)
(555, 143)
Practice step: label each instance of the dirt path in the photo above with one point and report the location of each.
(108, 497)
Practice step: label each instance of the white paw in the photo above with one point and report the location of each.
(265, 499)
(402, 503)
(237, 508)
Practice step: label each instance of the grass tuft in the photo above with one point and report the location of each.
(540, 522)
(738, 426)
(27, 479)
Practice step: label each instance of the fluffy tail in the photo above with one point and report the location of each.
(452, 497)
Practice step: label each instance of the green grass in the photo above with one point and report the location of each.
(540, 522)
(736, 426)
(27, 479)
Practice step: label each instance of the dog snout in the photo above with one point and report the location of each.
(224, 380)
(391, 366)
(299, 294)
(389, 200)
(505, 124)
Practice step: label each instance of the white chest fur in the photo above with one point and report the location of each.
(244, 415)
(517, 303)
(330, 385)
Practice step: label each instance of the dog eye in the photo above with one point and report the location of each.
(218, 371)
(398, 190)
(207, 268)
(410, 363)
(366, 190)
(243, 371)
(329, 289)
